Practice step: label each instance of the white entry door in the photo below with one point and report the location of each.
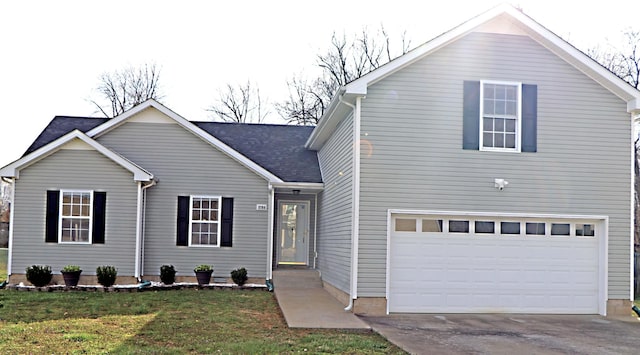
(293, 232)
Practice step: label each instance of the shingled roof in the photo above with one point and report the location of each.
(277, 148)
(61, 125)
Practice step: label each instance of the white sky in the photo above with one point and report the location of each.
(52, 52)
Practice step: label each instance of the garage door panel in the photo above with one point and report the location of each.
(447, 272)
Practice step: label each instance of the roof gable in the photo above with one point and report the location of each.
(501, 19)
(189, 126)
(77, 140)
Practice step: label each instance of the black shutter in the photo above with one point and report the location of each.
(227, 222)
(529, 118)
(99, 220)
(471, 115)
(183, 221)
(52, 217)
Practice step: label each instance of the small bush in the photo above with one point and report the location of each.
(239, 276)
(106, 275)
(71, 268)
(39, 275)
(167, 274)
(203, 267)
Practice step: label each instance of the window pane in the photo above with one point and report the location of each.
(511, 92)
(585, 230)
(405, 225)
(535, 228)
(510, 227)
(488, 107)
(500, 107)
(432, 225)
(499, 125)
(459, 226)
(485, 227)
(511, 108)
(488, 91)
(560, 229)
(487, 124)
(487, 140)
(510, 141)
(499, 140)
(510, 126)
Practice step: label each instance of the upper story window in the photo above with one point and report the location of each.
(75, 217)
(500, 116)
(205, 221)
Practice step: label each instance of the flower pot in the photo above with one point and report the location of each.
(204, 277)
(71, 278)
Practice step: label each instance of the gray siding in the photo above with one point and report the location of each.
(334, 206)
(187, 165)
(582, 165)
(312, 223)
(81, 170)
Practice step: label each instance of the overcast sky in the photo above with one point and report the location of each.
(52, 52)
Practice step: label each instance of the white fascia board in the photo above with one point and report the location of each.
(116, 121)
(13, 169)
(326, 124)
(299, 185)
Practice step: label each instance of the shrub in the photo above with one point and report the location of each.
(106, 275)
(39, 275)
(239, 276)
(167, 274)
(203, 267)
(71, 268)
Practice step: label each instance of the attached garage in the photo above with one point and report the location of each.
(486, 263)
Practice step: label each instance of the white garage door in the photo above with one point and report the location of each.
(462, 264)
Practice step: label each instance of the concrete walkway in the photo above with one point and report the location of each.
(306, 304)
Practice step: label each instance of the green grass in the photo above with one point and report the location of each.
(164, 322)
(3, 264)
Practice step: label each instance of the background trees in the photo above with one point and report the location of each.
(122, 89)
(240, 103)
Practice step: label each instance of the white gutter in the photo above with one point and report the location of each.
(140, 228)
(270, 231)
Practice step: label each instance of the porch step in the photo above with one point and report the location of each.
(296, 279)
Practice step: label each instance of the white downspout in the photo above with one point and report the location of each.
(315, 231)
(355, 203)
(270, 231)
(140, 228)
(12, 182)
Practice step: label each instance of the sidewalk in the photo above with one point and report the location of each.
(306, 304)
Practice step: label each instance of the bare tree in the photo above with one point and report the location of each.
(623, 61)
(344, 61)
(241, 103)
(120, 90)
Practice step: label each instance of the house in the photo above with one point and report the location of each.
(488, 170)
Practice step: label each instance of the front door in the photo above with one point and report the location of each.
(293, 232)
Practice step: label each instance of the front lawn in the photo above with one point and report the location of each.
(184, 321)
(3, 264)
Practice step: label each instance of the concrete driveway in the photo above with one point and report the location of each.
(508, 333)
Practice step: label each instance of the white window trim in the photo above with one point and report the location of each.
(219, 198)
(60, 217)
(518, 147)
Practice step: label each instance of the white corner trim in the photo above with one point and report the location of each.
(13, 169)
(116, 121)
(388, 271)
(270, 231)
